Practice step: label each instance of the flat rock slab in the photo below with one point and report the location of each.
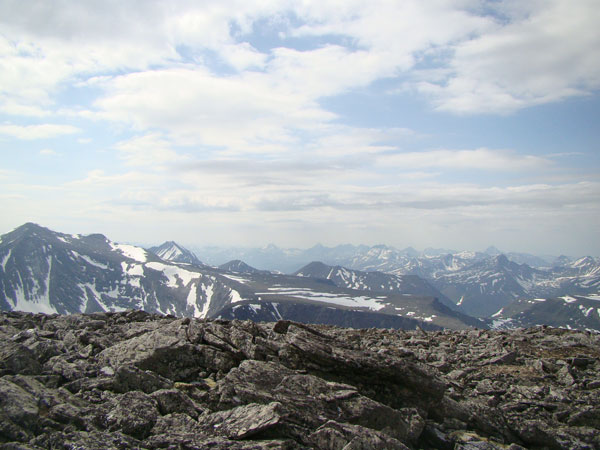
(244, 421)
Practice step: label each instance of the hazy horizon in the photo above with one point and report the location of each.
(194, 247)
(455, 124)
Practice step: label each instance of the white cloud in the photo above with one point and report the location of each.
(32, 132)
(483, 158)
(48, 152)
(227, 102)
(150, 151)
(240, 114)
(546, 52)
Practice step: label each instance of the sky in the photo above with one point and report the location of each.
(441, 123)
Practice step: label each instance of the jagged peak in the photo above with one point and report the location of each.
(501, 259)
(30, 227)
(584, 261)
(172, 251)
(314, 267)
(492, 251)
(237, 265)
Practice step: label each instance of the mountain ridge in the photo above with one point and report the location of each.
(50, 272)
(46, 271)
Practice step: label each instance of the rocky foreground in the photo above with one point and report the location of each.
(135, 380)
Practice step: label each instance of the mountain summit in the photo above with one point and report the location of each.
(172, 251)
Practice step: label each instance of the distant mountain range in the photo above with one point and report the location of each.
(478, 283)
(572, 312)
(372, 281)
(362, 257)
(45, 271)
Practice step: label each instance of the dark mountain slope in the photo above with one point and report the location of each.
(373, 281)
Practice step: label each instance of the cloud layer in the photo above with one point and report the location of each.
(218, 113)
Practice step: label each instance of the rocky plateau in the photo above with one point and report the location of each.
(136, 380)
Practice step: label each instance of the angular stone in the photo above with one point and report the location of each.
(15, 358)
(168, 352)
(565, 377)
(45, 349)
(174, 401)
(18, 412)
(134, 413)
(68, 414)
(67, 367)
(535, 432)
(408, 383)
(589, 417)
(88, 440)
(251, 382)
(334, 435)
(244, 421)
(505, 358)
(128, 378)
(178, 423)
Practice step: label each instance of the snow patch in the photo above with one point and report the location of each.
(174, 273)
(500, 324)
(6, 258)
(89, 260)
(238, 279)
(326, 297)
(235, 296)
(34, 305)
(192, 301)
(208, 293)
(171, 253)
(130, 251)
(498, 313)
(255, 308)
(134, 270)
(275, 307)
(568, 299)
(98, 297)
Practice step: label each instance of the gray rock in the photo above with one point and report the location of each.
(565, 377)
(333, 435)
(133, 413)
(18, 412)
(128, 378)
(505, 358)
(178, 423)
(174, 401)
(88, 440)
(588, 417)
(15, 358)
(244, 421)
(169, 352)
(134, 380)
